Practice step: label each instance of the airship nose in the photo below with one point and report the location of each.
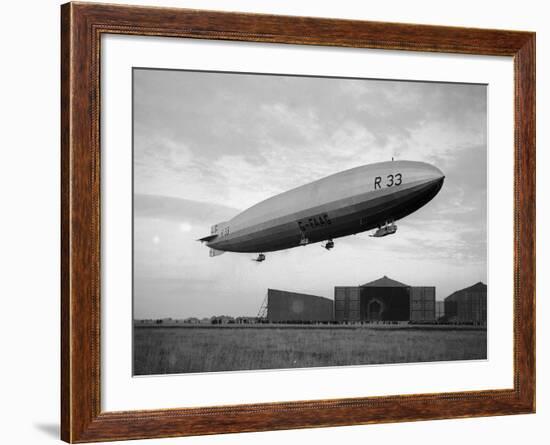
(433, 176)
(435, 173)
(437, 177)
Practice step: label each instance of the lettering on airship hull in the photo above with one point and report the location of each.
(391, 180)
(313, 222)
(223, 232)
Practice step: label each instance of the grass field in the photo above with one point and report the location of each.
(160, 350)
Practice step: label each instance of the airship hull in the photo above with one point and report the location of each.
(347, 203)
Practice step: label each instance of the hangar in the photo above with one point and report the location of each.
(467, 305)
(283, 306)
(384, 300)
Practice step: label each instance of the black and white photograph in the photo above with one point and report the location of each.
(240, 223)
(284, 221)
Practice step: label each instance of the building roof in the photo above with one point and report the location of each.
(478, 287)
(384, 282)
(286, 293)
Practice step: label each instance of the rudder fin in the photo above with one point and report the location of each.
(216, 252)
(207, 238)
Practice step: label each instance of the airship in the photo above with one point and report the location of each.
(367, 197)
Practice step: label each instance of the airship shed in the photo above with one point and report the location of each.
(384, 300)
(380, 300)
(467, 305)
(283, 306)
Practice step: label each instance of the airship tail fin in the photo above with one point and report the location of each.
(206, 239)
(215, 252)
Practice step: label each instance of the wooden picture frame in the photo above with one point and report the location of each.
(82, 25)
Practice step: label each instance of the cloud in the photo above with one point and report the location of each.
(182, 211)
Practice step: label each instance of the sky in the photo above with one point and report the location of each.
(209, 145)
